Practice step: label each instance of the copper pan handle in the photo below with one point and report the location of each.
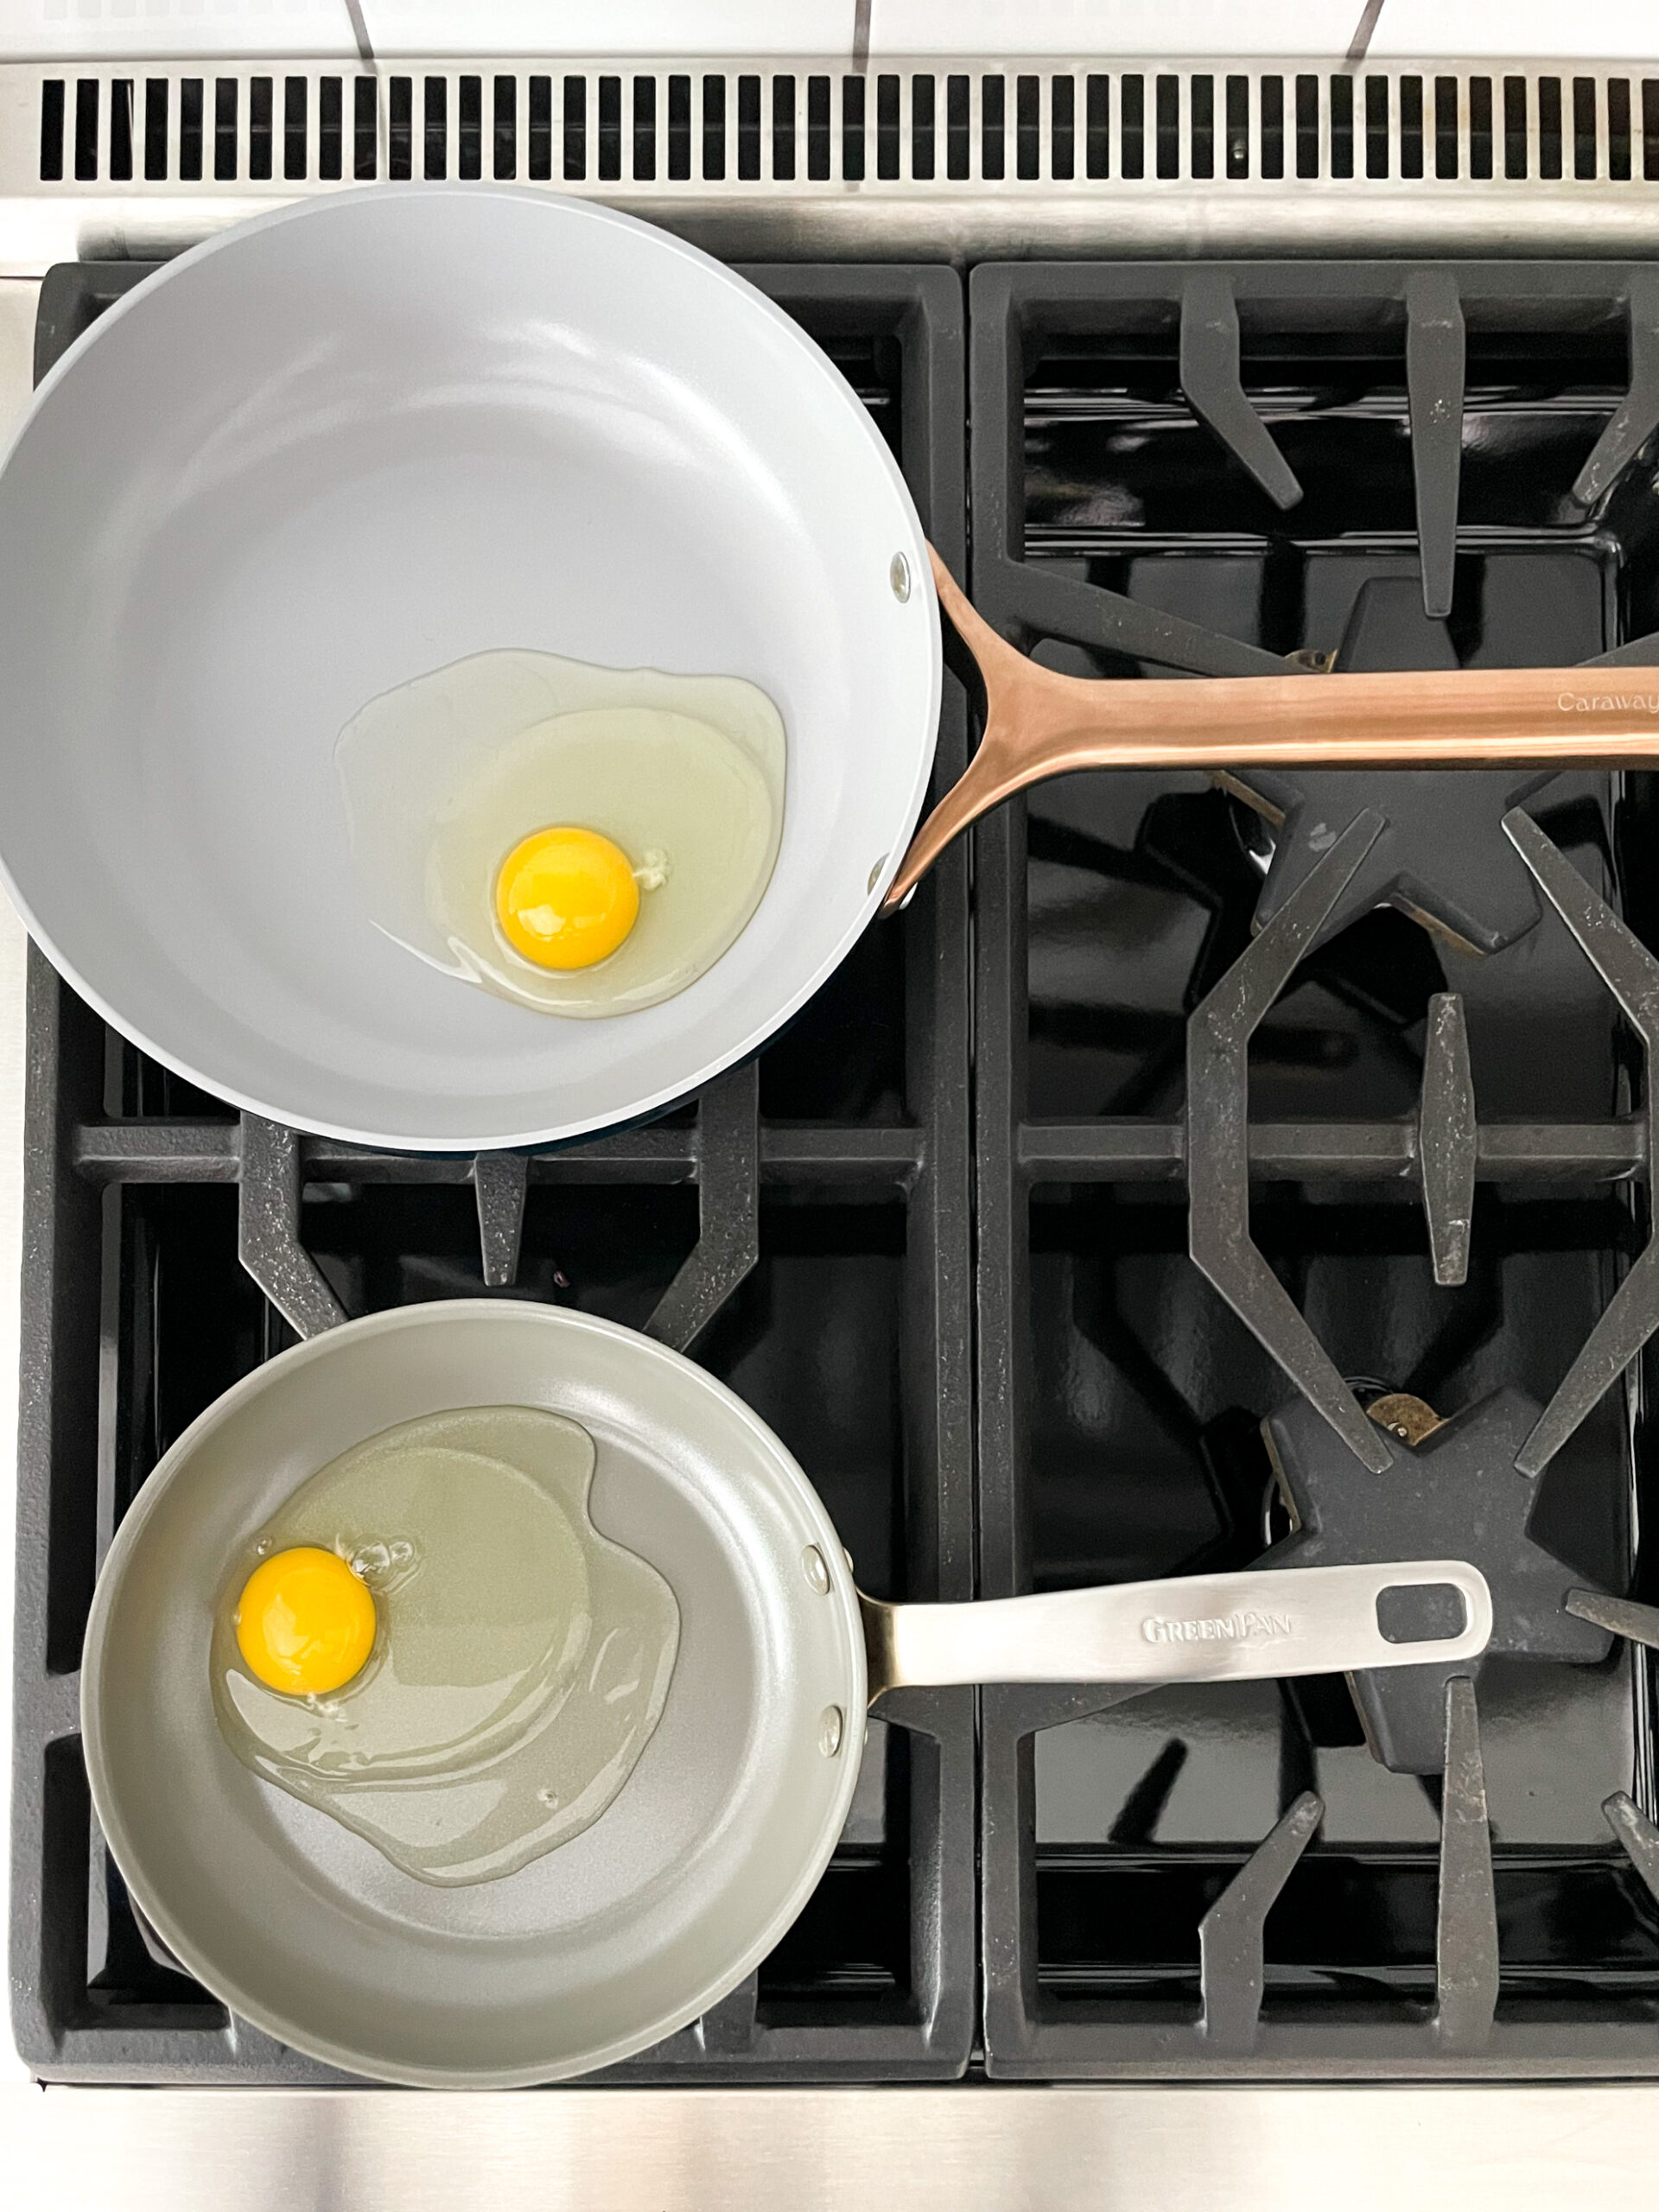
(1038, 723)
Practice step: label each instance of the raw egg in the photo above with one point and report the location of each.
(305, 1622)
(586, 841)
(566, 898)
(433, 1643)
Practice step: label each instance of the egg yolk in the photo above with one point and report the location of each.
(566, 898)
(306, 1622)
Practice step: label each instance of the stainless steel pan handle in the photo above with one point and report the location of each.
(1198, 1627)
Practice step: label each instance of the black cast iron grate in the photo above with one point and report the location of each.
(1450, 1155)
(802, 1228)
(1435, 1185)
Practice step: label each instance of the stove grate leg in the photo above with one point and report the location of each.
(500, 1180)
(1448, 1141)
(267, 1228)
(1042, 603)
(1637, 417)
(1215, 390)
(1435, 363)
(1466, 1935)
(1217, 1142)
(1637, 1833)
(1231, 1968)
(1619, 1616)
(728, 1210)
(1632, 973)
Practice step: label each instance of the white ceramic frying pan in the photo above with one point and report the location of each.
(717, 1839)
(347, 444)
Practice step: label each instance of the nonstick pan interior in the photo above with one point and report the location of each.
(349, 444)
(605, 1944)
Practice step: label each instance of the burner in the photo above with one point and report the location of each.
(1454, 1494)
(1443, 858)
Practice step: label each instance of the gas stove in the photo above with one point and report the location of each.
(1310, 1206)
(1200, 1167)
(1300, 1103)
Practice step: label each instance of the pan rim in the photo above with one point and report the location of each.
(817, 362)
(119, 1838)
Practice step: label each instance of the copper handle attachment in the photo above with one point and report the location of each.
(1038, 723)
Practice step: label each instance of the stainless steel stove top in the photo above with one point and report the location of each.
(1240, 158)
(901, 156)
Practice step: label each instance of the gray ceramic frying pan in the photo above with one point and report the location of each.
(714, 1843)
(347, 444)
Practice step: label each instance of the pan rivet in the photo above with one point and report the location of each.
(875, 873)
(898, 577)
(817, 1573)
(830, 1730)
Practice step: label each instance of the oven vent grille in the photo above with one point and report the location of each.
(690, 126)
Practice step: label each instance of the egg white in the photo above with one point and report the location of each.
(444, 775)
(520, 1661)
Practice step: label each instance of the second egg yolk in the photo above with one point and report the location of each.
(306, 1622)
(566, 898)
